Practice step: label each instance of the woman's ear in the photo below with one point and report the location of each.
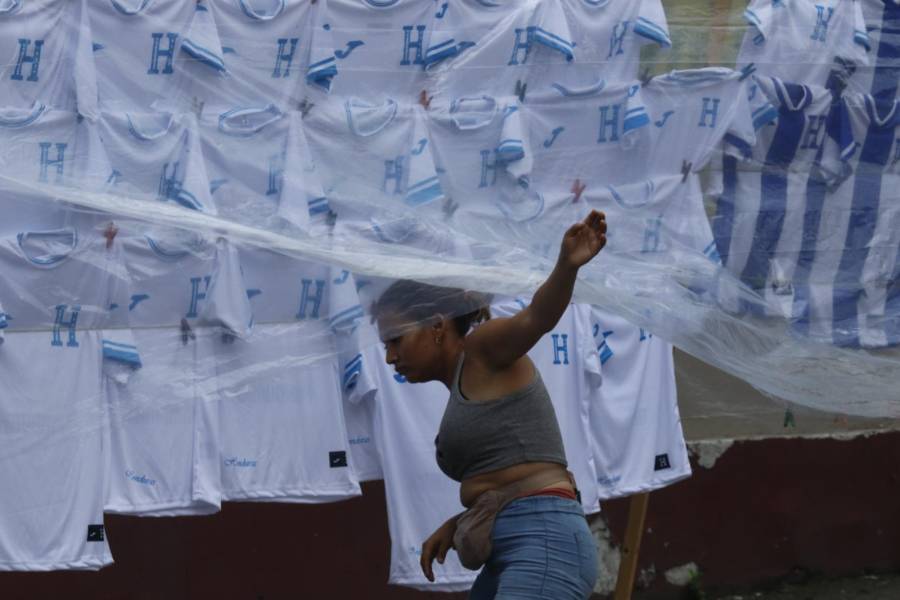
(439, 328)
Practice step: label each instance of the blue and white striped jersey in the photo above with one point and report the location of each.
(770, 197)
(848, 294)
(157, 157)
(880, 76)
(135, 50)
(185, 291)
(635, 424)
(46, 147)
(379, 46)
(802, 41)
(259, 167)
(64, 298)
(46, 50)
(250, 53)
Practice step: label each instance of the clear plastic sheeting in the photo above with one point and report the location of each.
(202, 200)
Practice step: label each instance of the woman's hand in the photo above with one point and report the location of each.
(436, 546)
(583, 240)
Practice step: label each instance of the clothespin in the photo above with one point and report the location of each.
(110, 234)
(789, 418)
(645, 76)
(747, 71)
(577, 189)
(186, 332)
(425, 99)
(685, 170)
(304, 106)
(197, 105)
(521, 89)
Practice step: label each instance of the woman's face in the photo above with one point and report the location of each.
(411, 348)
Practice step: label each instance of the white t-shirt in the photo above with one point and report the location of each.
(634, 417)
(46, 50)
(845, 291)
(260, 169)
(802, 41)
(251, 53)
(515, 46)
(281, 423)
(157, 157)
(393, 174)
(764, 199)
(40, 146)
(379, 45)
(64, 301)
(136, 54)
(187, 291)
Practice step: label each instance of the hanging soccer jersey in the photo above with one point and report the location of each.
(135, 50)
(157, 157)
(634, 417)
(64, 304)
(803, 41)
(767, 198)
(46, 50)
(186, 290)
(260, 169)
(251, 53)
(292, 370)
(379, 46)
(849, 269)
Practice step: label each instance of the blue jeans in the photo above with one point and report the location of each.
(541, 548)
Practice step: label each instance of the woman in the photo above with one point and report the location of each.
(499, 431)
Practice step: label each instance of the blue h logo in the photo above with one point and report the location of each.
(710, 109)
(617, 38)
(286, 57)
(814, 126)
(197, 295)
(34, 59)
(393, 169)
(487, 166)
(47, 162)
(306, 298)
(821, 29)
(651, 235)
(168, 53)
(521, 46)
(276, 171)
(560, 348)
(610, 122)
(169, 185)
(409, 44)
(70, 324)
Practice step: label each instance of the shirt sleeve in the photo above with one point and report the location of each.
(201, 39)
(83, 69)
(651, 24)
(595, 349)
(512, 147)
(443, 44)
(551, 28)
(194, 192)
(322, 62)
(744, 120)
(760, 16)
(840, 144)
(424, 186)
(120, 352)
(302, 200)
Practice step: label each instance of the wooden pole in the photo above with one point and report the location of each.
(637, 512)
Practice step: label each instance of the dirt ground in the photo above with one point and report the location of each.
(866, 587)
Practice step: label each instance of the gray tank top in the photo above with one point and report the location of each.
(478, 437)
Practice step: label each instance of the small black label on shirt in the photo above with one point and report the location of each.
(95, 533)
(661, 462)
(337, 459)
